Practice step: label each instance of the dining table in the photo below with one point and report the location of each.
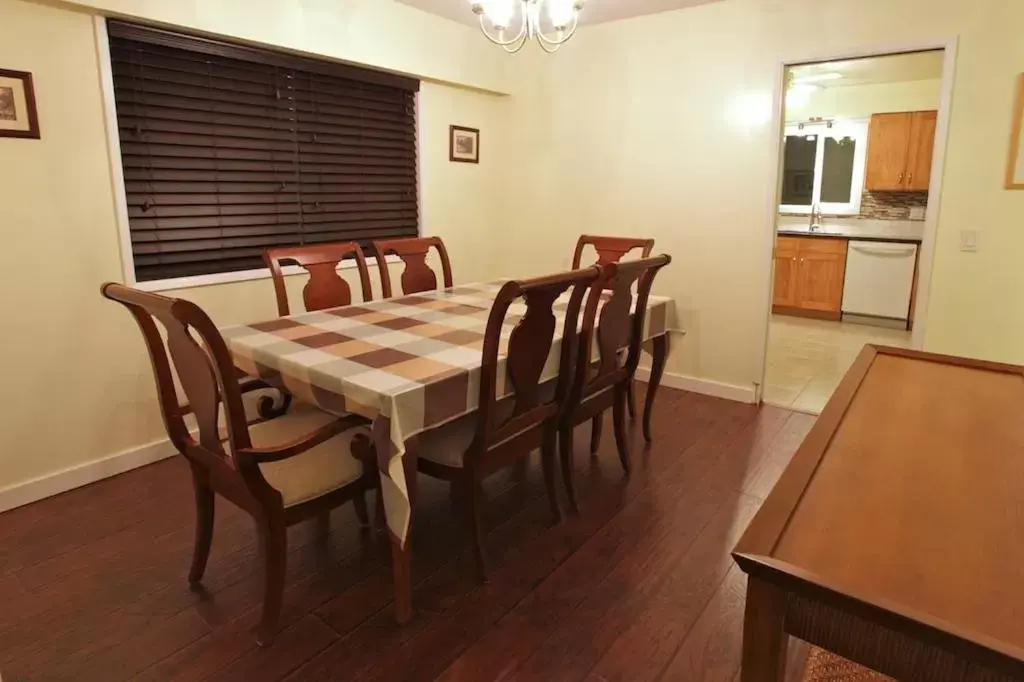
(408, 364)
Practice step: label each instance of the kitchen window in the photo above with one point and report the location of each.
(227, 150)
(824, 164)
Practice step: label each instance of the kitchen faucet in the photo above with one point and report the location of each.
(815, 217)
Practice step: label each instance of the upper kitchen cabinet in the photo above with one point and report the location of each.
(919, 151)
(899, 157)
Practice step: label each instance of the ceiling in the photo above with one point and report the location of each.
(913, 66)
(595, 11)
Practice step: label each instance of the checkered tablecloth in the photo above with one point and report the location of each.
(410, 363)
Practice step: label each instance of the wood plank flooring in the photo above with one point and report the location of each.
(638, 587)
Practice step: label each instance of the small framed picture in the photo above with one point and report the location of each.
(17, 105)
(1015, 164)
(464, 144)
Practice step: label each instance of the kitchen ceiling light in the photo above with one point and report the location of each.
(496, 17)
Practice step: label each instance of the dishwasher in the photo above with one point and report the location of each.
(879, 279)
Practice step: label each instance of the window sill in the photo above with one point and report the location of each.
(831, 213)
(197, 281)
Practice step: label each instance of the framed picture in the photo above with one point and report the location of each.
(17, 105)
(463, 144)
(1015, 164)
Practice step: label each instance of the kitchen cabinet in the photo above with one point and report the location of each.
(809, 273)
(787, 256)
(920, 149)
(900, 146)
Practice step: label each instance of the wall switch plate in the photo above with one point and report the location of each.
(968, 240)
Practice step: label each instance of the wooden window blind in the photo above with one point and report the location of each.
(229, 150)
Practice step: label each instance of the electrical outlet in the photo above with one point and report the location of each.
(968, 240)
(917, 212)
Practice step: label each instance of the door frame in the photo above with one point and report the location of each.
(927, 249)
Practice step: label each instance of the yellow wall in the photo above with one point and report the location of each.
(653, 126)
(659, 126)
(77, 383)
(860, 101)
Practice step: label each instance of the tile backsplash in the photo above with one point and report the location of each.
(886, 206)
(891, 205)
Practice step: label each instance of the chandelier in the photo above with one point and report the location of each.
(496, 18)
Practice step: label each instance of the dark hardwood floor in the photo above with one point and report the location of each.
(639, 586)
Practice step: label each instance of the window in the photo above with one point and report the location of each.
(229, 150)
(824, 165)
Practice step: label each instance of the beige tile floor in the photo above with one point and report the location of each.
(808, 358)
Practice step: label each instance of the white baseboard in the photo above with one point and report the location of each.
(718, 389)
(83, 474)
(59, 482)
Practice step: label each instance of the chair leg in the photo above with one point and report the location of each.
(595, 433)
(474, 513)
(204, 527)
(274, 543)
(547, 453)
(619, 419)
(565, 448)
(362, 513)
(632, 399)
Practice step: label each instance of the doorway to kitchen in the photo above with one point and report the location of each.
(852, 226)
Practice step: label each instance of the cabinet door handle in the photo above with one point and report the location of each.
(910, 178)
(900, 179)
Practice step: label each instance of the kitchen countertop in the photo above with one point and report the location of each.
(902, 231)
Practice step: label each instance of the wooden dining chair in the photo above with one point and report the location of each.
(503, 431)
(601, 382)
(611, 250)
(281, 471)
(417, 275)
(325, 287)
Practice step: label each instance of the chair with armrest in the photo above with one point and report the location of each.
(325, 287)
(610, 324)
(611, 250)
(504, 431)
(417, 275)
(280, 471)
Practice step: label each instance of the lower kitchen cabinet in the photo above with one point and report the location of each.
(809, 274)
(787, 272)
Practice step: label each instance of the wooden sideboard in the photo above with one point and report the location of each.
(893, 538)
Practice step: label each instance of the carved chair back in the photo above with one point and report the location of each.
(417, 275)
(529, 345)
(325, 288)
(610, 318)
(610, 249)
(191, 348)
